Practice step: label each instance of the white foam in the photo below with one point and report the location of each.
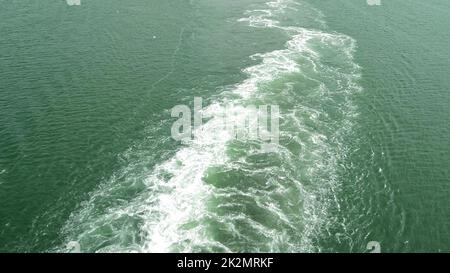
(185, 200)
(73, 2)
(177, 194)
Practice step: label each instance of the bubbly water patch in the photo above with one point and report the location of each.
(220, 194)
(73, 2)
(276, 10)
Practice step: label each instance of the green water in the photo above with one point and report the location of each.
(86, 153)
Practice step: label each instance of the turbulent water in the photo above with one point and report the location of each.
(86, 153)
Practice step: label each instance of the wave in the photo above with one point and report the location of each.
(217, 193)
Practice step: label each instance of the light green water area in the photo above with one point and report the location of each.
(86, 152)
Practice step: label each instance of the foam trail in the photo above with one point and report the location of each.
(175, 212)
(186, 195)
